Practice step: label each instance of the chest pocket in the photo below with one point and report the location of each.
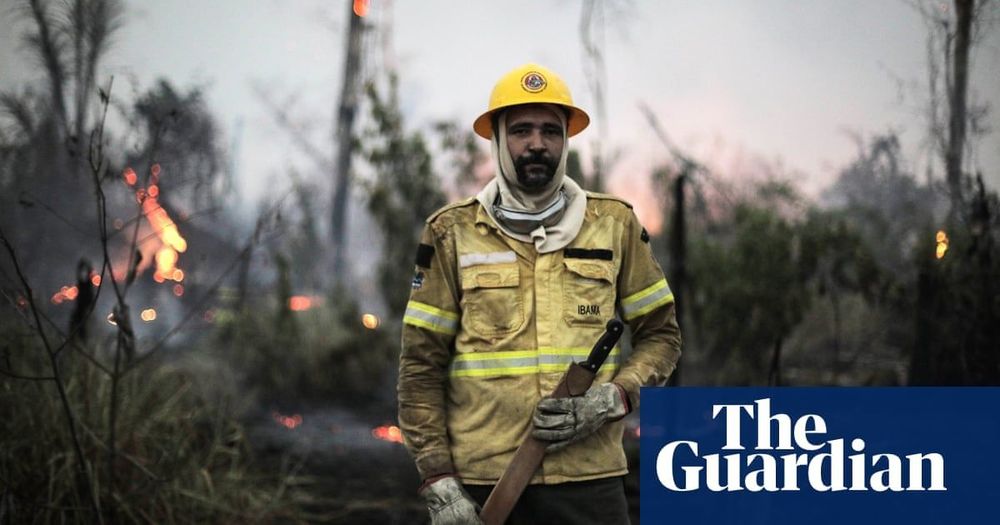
(588, 291)
(492, 303)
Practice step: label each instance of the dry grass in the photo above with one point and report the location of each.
(182, 457)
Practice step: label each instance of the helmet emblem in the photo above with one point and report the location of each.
(533, 82)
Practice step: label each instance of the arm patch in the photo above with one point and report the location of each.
(425, 253)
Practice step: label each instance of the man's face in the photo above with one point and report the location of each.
(535, 142)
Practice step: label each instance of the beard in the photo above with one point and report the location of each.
(537, 176)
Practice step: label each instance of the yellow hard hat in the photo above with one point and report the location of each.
(531, 84)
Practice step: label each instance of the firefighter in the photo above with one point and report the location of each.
(510, 287)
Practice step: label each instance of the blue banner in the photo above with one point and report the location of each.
(819, 455)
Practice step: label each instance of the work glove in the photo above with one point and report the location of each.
(449, 503)
(567, 420)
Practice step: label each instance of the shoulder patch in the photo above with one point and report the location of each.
(425, 253)
(455, 205)
(608, 197)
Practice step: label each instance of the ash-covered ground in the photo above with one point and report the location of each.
(360, 474)
(359, 478)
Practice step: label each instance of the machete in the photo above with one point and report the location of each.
(528, 457)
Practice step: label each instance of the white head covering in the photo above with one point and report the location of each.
(558, 223)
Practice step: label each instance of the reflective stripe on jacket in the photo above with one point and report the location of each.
(492, 325)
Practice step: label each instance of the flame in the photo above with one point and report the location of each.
(166, 265)
(162, 225)
(361, 7)
(148, 315)
(371, 321)
(389, 433)
(300, 303)
(166, 259)
(171, 243)
(289, 422)
(942, 244)
(165, 229)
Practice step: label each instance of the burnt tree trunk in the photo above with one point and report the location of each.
(346, 112)
(957, 98)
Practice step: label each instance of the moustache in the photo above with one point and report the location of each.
(535, 158)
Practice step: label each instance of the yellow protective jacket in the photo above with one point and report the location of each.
(492, 325)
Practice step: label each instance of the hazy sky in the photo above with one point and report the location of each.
(731, 80)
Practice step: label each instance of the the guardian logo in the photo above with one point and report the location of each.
(799, 459)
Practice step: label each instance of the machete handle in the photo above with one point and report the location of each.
(612, 333)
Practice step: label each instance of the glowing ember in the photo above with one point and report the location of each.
(289, 422)
(149, 314)
(178, 275)
(942, 244)
(389, 433)
(300, 303)
(153, 190)
(129, 176)
(154, 170)
(66, 293)
(178, 290)
(370, 321)
(95, 279)
(361, 7)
